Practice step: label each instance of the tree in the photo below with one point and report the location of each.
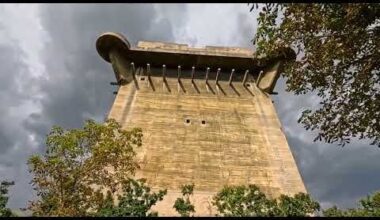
(79, 165)
(299, 205)
(338, 59)
(243, 201)
(333, 212)
(183, 205)
(135, 200)
(4, 211)
(250, 201)
(368, 207)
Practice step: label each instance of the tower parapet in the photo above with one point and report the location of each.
(116, 49)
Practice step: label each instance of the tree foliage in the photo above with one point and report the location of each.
(84, 170)
(79, 165)
(368, 207)
(135, 200)
(243, 201)
(4, 211)
(338, 59)
(249, 200)
(300, 204)
(183, 205)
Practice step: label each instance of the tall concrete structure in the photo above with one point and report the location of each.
(207, 118)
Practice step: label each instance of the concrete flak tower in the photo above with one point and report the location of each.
(207, 118)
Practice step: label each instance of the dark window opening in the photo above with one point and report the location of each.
(142, 78)
(203, 122)
(187, 121)
(247, 84)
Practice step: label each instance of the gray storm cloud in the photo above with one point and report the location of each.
(75, 86)
(332, 174)
(13, 138)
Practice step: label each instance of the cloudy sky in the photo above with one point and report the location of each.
(51, 74)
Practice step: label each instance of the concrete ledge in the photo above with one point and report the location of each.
(146, 49)
(185, 49)
(173, 55)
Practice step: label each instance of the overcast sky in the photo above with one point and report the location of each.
(51, 74)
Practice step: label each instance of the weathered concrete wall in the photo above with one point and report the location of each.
(193, 133)
(241, 141)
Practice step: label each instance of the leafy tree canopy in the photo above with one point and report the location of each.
(4, 211)
(251, 201)
(79, 165)
(368, 207)
(183, 205)
(300, 204)
(136, 200)
(338, 59)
